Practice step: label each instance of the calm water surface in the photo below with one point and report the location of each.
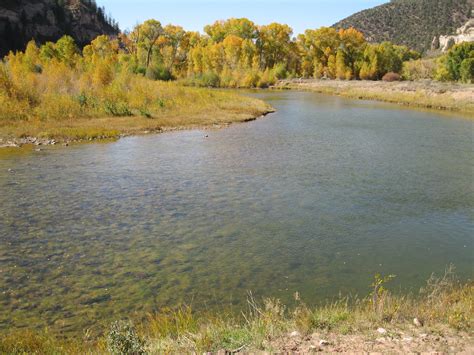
(315, 198)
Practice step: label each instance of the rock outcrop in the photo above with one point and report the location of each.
(48, 20)
(463, 34)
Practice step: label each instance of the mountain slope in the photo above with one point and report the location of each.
(413, 23)
(48, 20)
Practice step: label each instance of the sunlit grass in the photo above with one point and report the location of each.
(62, 110)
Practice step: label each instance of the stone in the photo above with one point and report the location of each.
(294, 334)
(381, 331)
(323, 342)
(417, 322)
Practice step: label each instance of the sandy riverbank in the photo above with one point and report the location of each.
(425, 94)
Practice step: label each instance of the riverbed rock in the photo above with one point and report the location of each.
(323, 342)
(417, 322)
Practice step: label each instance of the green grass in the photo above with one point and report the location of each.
(444, 303)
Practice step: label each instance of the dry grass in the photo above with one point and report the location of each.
(444, 309)
(172, 107)
(426, 94)
(66, 103)
(226, 108)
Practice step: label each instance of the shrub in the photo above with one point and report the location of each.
(207, 79)
(158, 73)
(124, 340)
(117, 108)
(140, 70)
(451, 63)
(419, 69)
(391, 76)
(267, 79)
(466, 71)
(57, 107)
(279, 71)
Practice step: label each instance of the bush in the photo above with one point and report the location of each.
(117, 108)
(124, 340)
(159, 73)
(391, 76)
(140, 70)
(451, 63)
(419, 69)
(208, 79)
(467, 71)
(280, 71)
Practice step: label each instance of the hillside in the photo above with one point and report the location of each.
(413, 23)
(48, 20)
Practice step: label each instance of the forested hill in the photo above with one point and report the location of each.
(413, 23)
(48, 20)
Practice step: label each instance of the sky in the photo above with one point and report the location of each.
(193, 15)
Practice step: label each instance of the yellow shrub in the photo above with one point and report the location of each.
(58, 106)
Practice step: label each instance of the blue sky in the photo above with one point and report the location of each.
(195, 14)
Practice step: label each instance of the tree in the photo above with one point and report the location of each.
(352, 44)
(147, 36)
(316, 47)
(451, 63)
(240, 27)
(274, 44)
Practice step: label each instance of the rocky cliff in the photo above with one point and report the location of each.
(48, 20)
(463, 34)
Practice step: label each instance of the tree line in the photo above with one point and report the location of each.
(239, 53)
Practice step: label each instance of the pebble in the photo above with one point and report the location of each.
(381, 331)
(408, 339)
(294, 334)
(417, 322)
(323, 342)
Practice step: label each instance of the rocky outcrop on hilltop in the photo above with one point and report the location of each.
(463, 34)
(48, 20)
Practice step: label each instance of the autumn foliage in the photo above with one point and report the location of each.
(107, 76)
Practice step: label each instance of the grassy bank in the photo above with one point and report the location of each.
(439, 318)
(62, 118)
(424, 94)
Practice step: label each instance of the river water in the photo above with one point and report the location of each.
(315, 198)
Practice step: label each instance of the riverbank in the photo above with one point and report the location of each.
(171, 107)
(425, 94)
(438, 319)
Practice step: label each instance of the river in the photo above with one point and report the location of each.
(315, 198)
